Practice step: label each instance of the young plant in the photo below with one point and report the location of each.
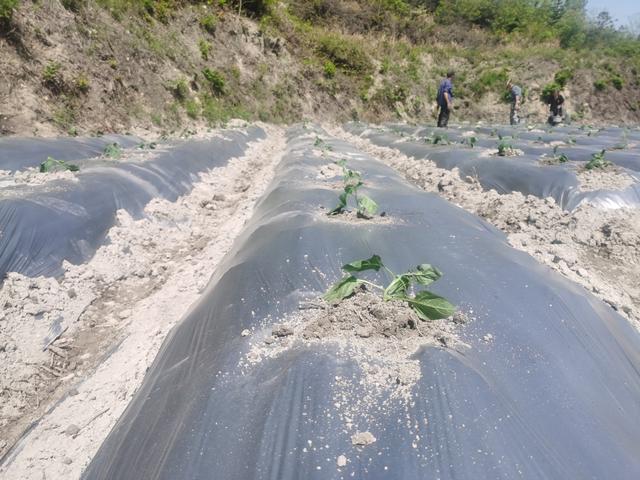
(427, 305)
(505, 148)
(113, 150)
(53, 165)
(597, 161)
(437, 139)
(352, 182)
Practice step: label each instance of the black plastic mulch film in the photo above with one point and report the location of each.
(524, 174)
(555, 395)
(43, 225)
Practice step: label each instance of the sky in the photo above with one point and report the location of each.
(620, 10)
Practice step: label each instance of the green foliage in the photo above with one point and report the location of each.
(505, 149)
(427, 305)
(82, 84)
(352, 179)
(438, 139)
(192, 108)
(74, 5)
(346, 54)
(53, 165)
(208, 23)
(215, 79)
(490, 80)
(562, 77)
(597, 161)
(205, 48)
(6, 9)
(600, 85)
(329, 69)
(113, 151)
(180, 90)
(547, 91)
(52, 77)
(617, 82)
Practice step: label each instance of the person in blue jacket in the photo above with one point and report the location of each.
(445, 99)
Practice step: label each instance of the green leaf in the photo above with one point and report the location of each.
(373, 263)
(342, 289)
(341, 206)
(430, 306)
(366, 206)
(113, 150)
(424, 274)
(342, 163)
(397, 289)
(53, 165)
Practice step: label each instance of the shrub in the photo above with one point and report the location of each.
(344, 54)
(215, 80)
(617, 82)
(329, 69)
(600, 85)
(205, 48)
(180, 90)
(547, 91)
(73, 5)
(6, 9)
(208, 23)
(562, 77)
(52, 77)
(193, 108)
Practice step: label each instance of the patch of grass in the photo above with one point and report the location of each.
(205, 48)
(329, 69)
(489, 80)
(215, 80)
(73, 5)
(180, 90)
(81, 83)
(64, 117)
(52, 77)
(345, 53)
(7, 8)
(192, 107)
(209, 22)
(113, 151)
(216, 112)
(562, 77)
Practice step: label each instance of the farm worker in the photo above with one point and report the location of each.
(556, 102)
(516, 100)
(445, 99)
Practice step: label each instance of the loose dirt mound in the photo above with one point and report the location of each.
(381, 337)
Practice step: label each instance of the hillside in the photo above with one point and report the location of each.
(87, 66)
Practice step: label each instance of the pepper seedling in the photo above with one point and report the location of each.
(426, 304)
(53, 165)
(597, 161)
(352, 182)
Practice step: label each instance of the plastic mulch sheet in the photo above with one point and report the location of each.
(554, 395)
(524, 174)
(42, 225)
(19, 153)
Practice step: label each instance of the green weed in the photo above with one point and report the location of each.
(53, 165)
(205, 48)
(598, 161)
(215, 79)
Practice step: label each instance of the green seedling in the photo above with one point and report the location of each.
(53, 165)
(113, 150)
(322, 144)
(597, 161)
(437, 139)
(505, 148)
(352, 182)
(427, 305)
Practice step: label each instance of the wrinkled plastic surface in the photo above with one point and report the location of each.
(41, 226)
(19, 153)
(524, 174)
(553, 396)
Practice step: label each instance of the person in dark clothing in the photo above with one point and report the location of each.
(556, 103)
(445, 99)
(515, 93)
